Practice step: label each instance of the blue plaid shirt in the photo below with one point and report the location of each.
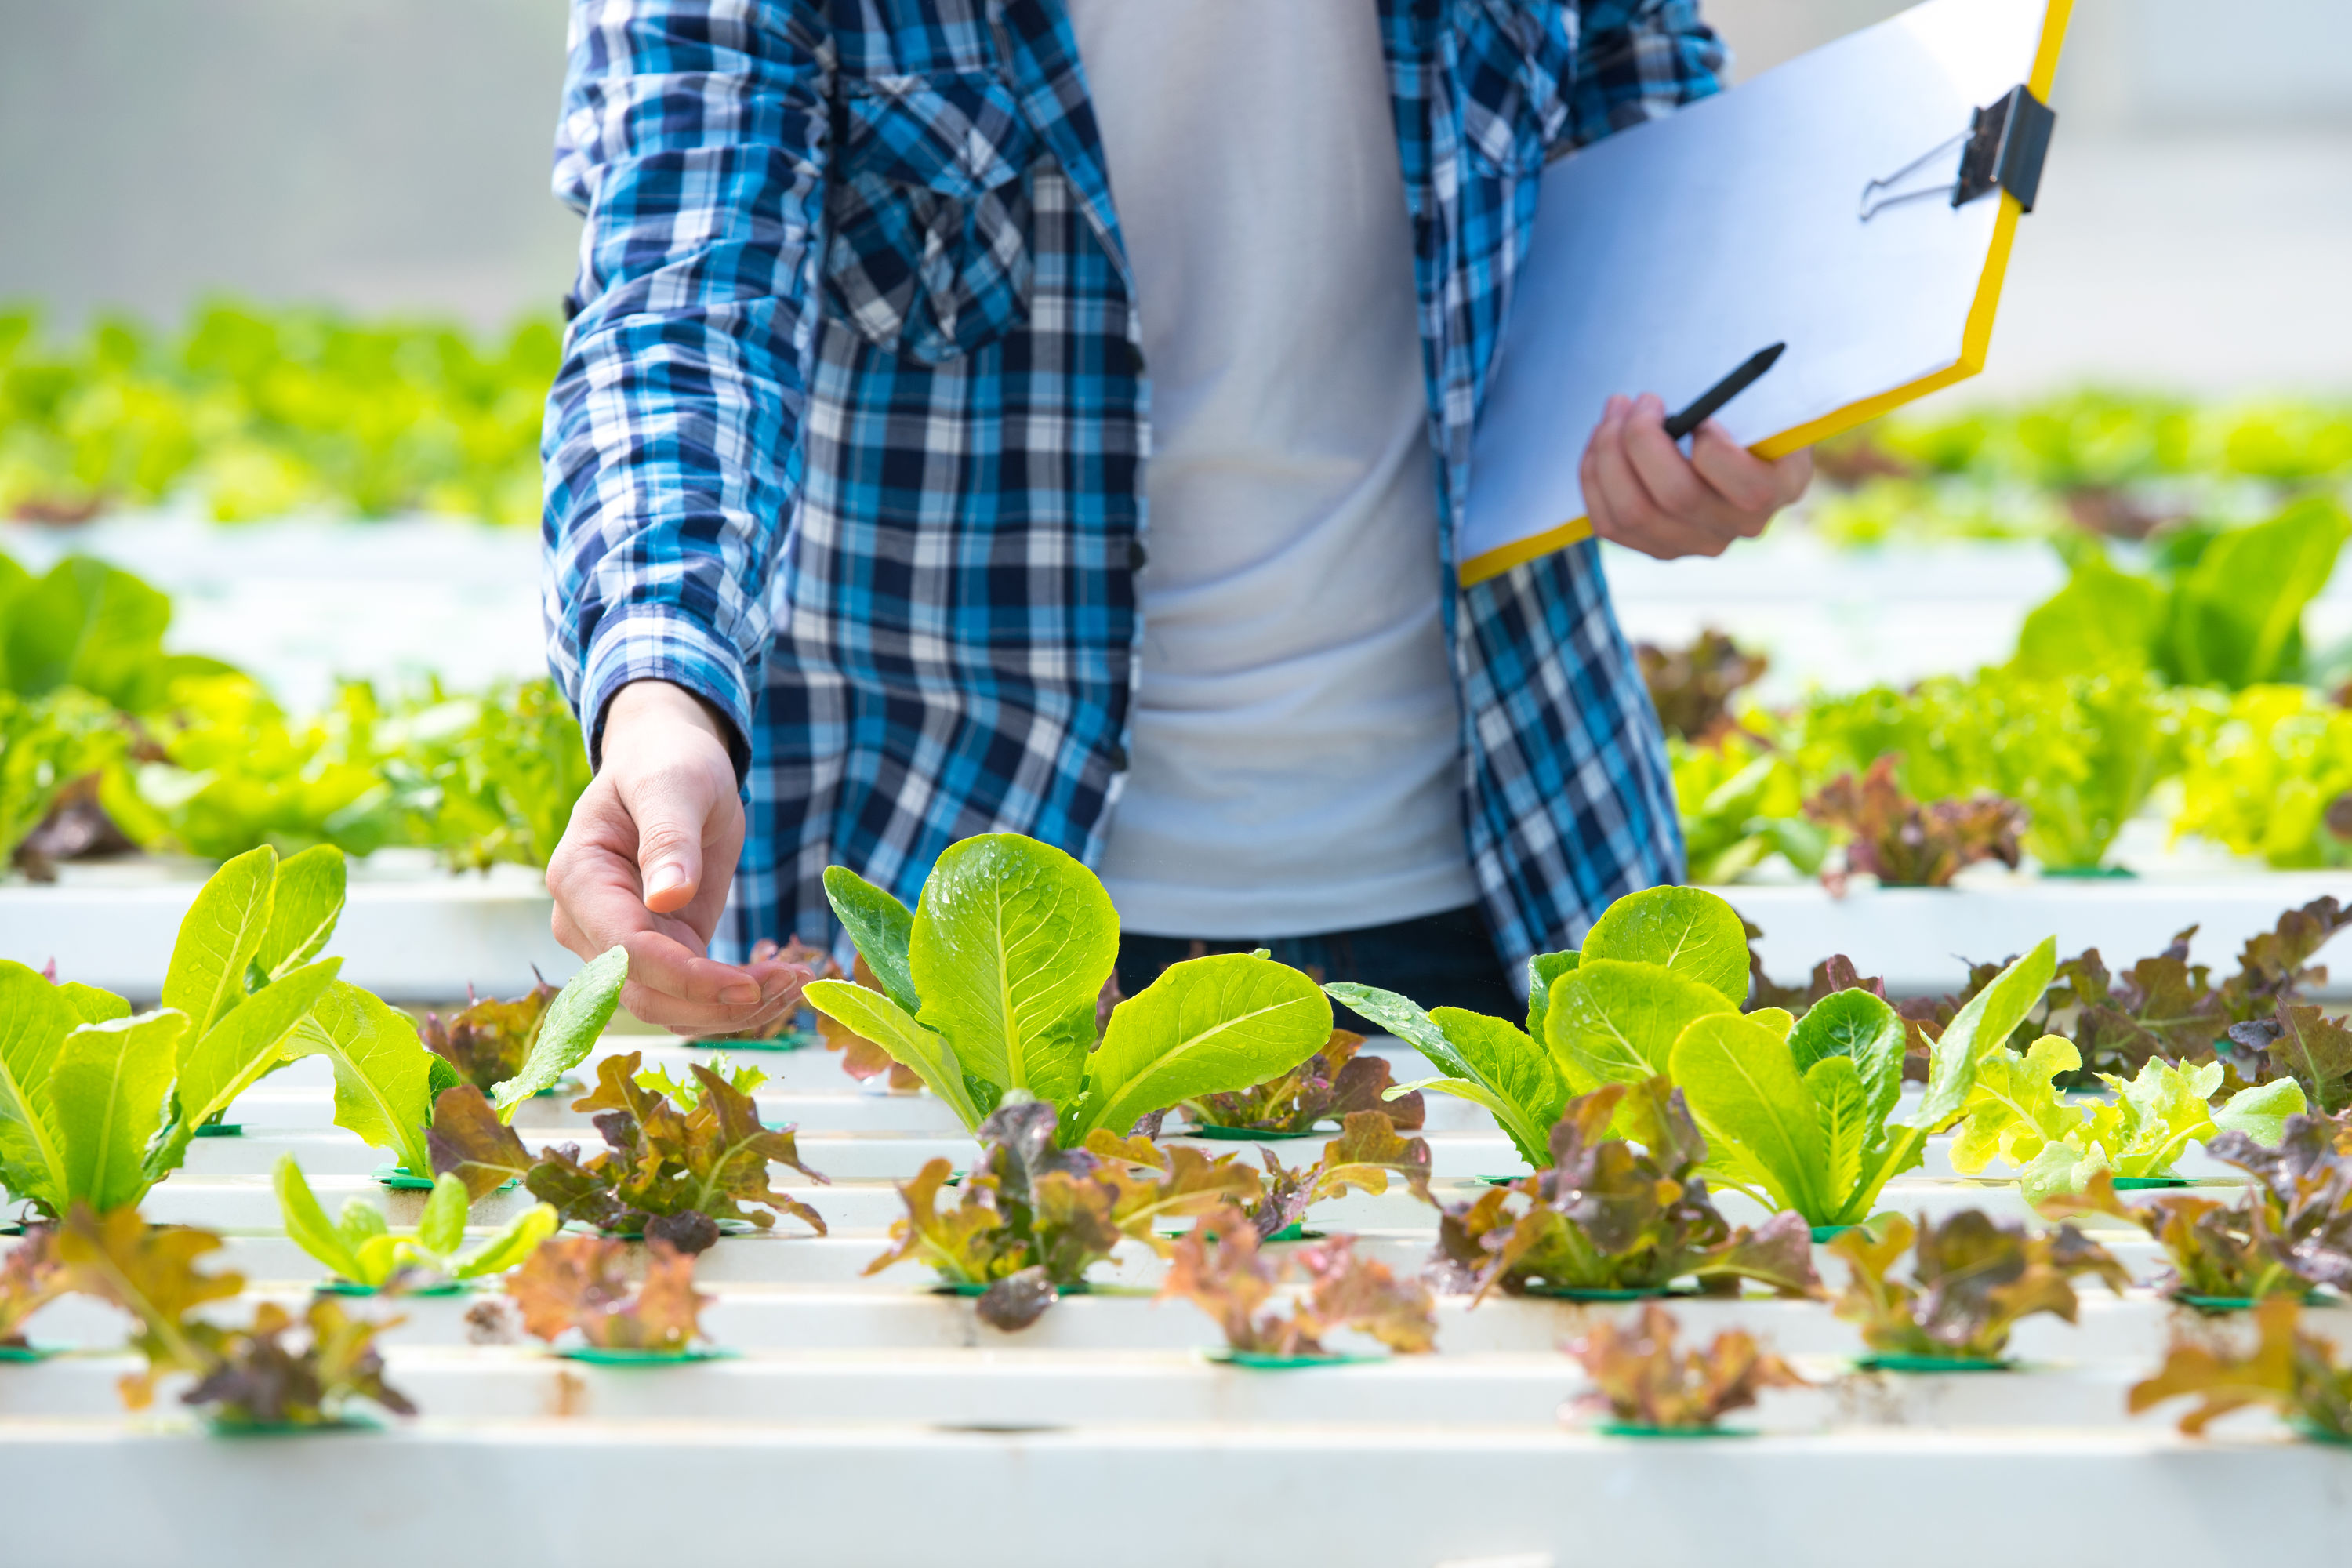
(850, 432)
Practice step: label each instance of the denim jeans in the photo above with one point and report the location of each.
(1440, 961)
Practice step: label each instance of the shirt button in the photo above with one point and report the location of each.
(1137, 556)
(1126, 359)
(1117, 756)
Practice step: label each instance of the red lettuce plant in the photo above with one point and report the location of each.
(1972, 1279)
(1219, 1268)
(2289, 1232)
(253, 1376)
(1033, 1217)
(582, 1282)
(1906, 843)
(1329, 1086)
(667, 1171)
(1369, 1151)
(2292, 1372)
(1642, 1378)
(1608, 1217)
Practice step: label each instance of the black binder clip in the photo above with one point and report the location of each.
(2003, 149)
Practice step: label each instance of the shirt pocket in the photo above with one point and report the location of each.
(1510, 102)
(928, 249)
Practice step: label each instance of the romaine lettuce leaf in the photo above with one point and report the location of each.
(35, 1016)
(574, 1023)
(1205, 1025)
(108, 1088)
(1009, 953)
(384, 1074)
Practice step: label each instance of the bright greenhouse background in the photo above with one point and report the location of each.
(2055, 665)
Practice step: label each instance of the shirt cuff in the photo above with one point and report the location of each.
(652, 642)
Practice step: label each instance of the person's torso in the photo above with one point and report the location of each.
(1296, 734)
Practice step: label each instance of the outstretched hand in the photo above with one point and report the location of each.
(646, 861)
(1642, 493)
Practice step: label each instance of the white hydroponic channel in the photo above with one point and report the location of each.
(416, 934)
(866, 1421)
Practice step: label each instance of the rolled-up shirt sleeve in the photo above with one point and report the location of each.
(1637, 61)
(692, 140)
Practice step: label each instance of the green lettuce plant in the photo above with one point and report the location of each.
(2233, 617)
(96, 1105)
(991, 984)
(46, 744)
(2015, 1113)
(1605, 1013)
(2083, 753)
(362, 1250)
(1741, 803)
(1797, 1114)
(1800, 1112)
(2265, 777)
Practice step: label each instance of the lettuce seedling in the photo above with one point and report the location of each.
(1645, 1379)
(260, 1380)
(488, 1040)
(1652, 962)
(1906, 843)
(96, 1105)
(2289, 1233)
(30, 1280)
(2290, 1372)
(991, 985)
(1607, 1217)
(1218, 1268)
(1797, 1113)
(2016, 1113)
(1972, 1279)
(1368, 1152)
(1692, 688)
(362, 1250)
(1329, 1086)
(250, 1376)
(581, 1283)
(1033, 1217)
(669, 1172)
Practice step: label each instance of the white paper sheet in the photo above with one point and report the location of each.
(1665, 255)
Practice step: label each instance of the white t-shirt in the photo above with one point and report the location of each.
(1296, 753)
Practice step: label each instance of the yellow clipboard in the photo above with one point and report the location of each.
(1614, 216)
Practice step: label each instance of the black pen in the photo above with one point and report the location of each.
(1723, 392)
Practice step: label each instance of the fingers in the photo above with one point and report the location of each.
(663, 814)
(1642, 493)
(1622, 506)
(1756, 487)
(1678, 488)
